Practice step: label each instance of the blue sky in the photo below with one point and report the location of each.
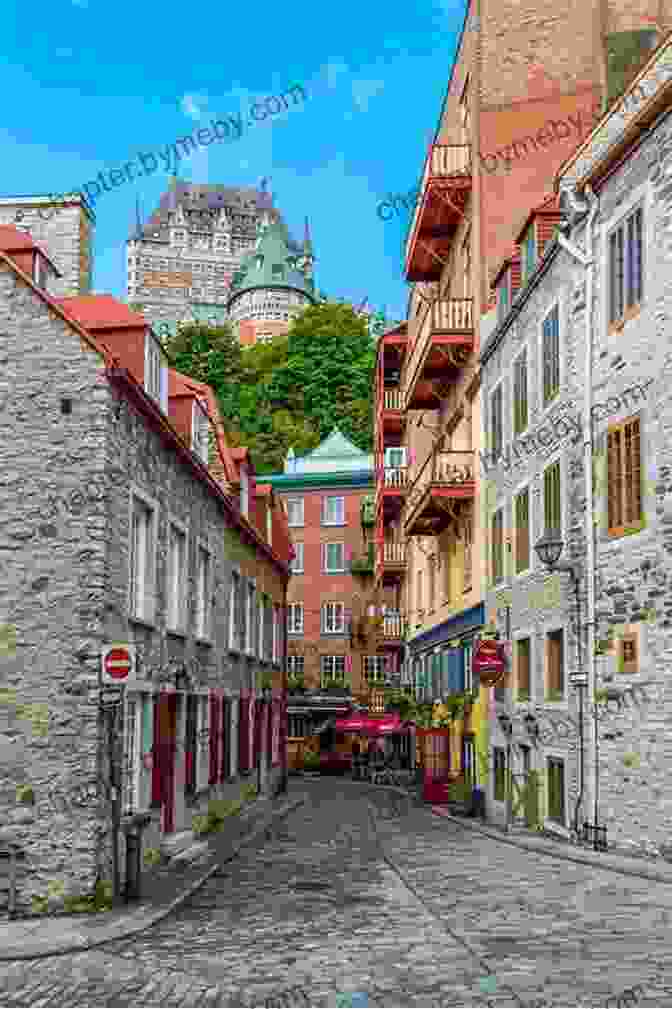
(92, 84)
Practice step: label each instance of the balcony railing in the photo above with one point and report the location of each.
(392, 399)
(394, 553)
(447, 316)
(443, 161)
(446, 470)
(395, 476)
(393, 626)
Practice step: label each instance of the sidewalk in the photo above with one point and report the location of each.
(659, 872)
(162, 892)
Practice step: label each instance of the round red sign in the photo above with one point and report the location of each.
(117, 663)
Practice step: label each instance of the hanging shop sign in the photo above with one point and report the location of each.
(489, 661)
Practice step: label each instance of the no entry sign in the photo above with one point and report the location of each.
(118, 663)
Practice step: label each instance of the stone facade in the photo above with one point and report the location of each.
(81, 440)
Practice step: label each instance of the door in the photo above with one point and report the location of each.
(163, 778)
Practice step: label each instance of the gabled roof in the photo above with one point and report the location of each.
(102, 311)
(13, 240)
(336, 454)
(182, 385)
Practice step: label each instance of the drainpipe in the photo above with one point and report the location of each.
(587, 261)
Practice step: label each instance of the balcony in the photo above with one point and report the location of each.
(394, 628)
(391, 561)
(391, 417)
(441, 347)
(440, 491)
(446, 186)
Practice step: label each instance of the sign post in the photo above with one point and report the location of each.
(117, 665)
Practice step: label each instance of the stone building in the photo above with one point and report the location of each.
(125, 519)
(574, 384)
(211, 253)
(343, 637)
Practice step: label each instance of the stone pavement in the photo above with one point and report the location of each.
(412, 910)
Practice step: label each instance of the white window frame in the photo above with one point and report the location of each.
(298, 559)
(333, 662)
(526, 485)
(296, 501)
(250, 593)
(261, 615)
(154, 367)
(296, 664)
(200, 429)
(497, 389)
(177, 581)
(244, 491)
(326, 521)
(276, 634)
(330, 613)
(146, 610)
(235, 643)
(546, 409)
(131, 783)
(379, 664)
(325, 558)
(295, 626)
(522, 634)
(523, 352)
(203, 593)
(557, 456)
(556, 754)
(552, 627)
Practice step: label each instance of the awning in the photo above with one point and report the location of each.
(384, 726)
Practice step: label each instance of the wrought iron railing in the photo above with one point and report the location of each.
(395, 476)
(394, 552)
(443, 161)
(393, 626)
(443, 468)
(392, 398)
(452, 315)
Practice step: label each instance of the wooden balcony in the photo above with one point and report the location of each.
(444, 484)
(446, 186)
(391, 416)
(394, 628)
(391, 561)
(443, 342)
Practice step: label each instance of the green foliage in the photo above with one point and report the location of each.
(554, 695)
(311, 761)
(219, 809)
(200, 824)
(291, 392)
(631, 760)
(25, 793)
(459, 791)
(152, 856)
(248, 793)
(523, 695)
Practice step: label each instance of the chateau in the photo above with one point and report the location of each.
(214, 253)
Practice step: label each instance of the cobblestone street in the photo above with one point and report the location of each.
(413, 911)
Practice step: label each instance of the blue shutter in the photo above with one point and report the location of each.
(455, 670)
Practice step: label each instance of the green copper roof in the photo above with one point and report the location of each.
(336, 454)
(212, 315)
(275, 262)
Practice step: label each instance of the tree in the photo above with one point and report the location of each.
(209, 354)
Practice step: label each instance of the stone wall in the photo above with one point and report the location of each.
(64, 231)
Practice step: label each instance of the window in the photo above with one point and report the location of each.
(522, 514)
(296, 665)
(395, 457)
(276, 635)
(333, 511)
(333, 557)
(498, 546)
(555, 666)
(468, 553)
(528, 254)
(177, 577)
(625, 267)
(295, 618)
(234, 610)
(523, 669)
(203, 602)
(499, 763)
(624, 484)
(469, 760)
(200, 428)
(520, 410)
(556, 789)
(261, 642)
(496, 423)
(295, 511)
(503, 297)
(249, 621)
(130, 798)
(375, 667)
(550, 354)
(244, 491)
(40, 271)
(297, 562)
(142, 559)
(155, 381)
(269, 523)
(332, 669)
(333, 618)
(628, 654)
(552, 499)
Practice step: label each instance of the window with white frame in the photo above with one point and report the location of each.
(261, 641)
(332, 668)
(333, 618)
(520, 404)
(625, 266)
(550, 354)
(244, 491)
(295, 618)
(375, 668)
(234, 610)
(177, 577)
(496, 424)
(296, 665)
(333, 511)
(333, 558)
(142, 558)
(154, 366)
(200, 428)
(276, 635)
(131, 772)
(297, 561)
(295, 511)
(249, 622)
(203, 593)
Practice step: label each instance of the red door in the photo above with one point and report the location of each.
(163, 783)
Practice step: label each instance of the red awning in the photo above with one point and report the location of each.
(384, 726)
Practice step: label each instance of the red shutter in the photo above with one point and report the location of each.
(214, 738)
(156, 755)
(243, 730)
(221, 742)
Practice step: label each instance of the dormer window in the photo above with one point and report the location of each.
(40, 271)
(200, 429)
(529, 253)
(156, 371)
(244, 492)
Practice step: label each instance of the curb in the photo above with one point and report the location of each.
(611, 863)
(119, 930)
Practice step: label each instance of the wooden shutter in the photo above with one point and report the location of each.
(624, 477)
(555, 658)
(243, 732)
(523, 664)
(632, 476)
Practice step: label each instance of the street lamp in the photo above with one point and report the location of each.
(549, 550)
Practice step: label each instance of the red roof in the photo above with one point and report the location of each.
(13, 240)
(101, 311)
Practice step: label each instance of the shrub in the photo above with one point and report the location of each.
(311, 761)
(152, 856)
(200, 824)
(25, 793)
(248, 792)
